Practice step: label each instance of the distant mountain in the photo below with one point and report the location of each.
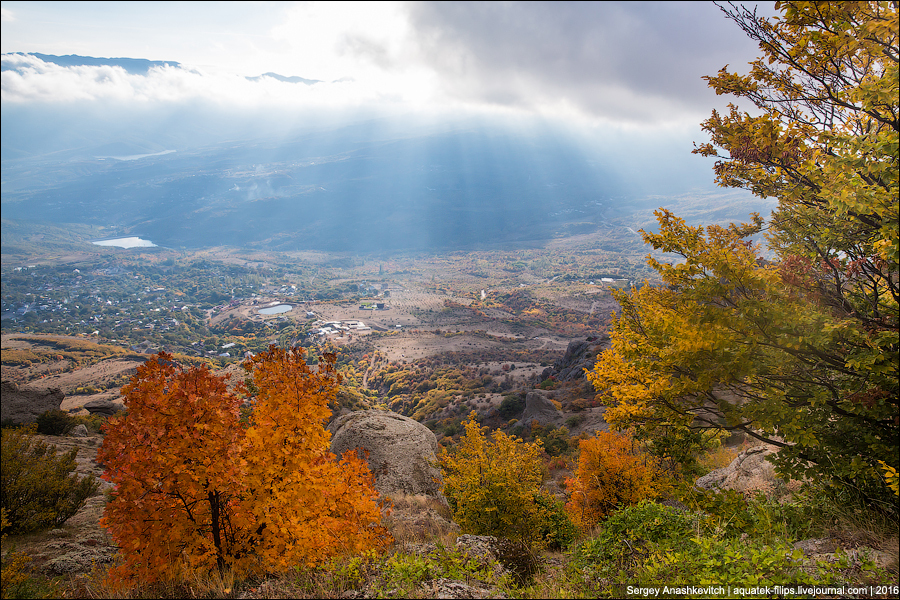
(292, 79)
(194, 174)
(135, 66)
(363, 187)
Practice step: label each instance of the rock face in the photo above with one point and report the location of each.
(25, 406)
(401, 452)
(540, 408)
(750, 471)
(580, 355)
(103, 407)
(512, 557)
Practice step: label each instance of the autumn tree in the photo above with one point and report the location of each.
(197, 489)
(176, 461)
(801, 349)
(307, 506)
(491, 483)
(612, 473)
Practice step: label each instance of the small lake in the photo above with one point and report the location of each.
(276, 310)
(129, 242)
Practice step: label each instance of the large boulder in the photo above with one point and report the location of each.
(580, 355)
(25, 406)
(540, 408)
(401, 452)
(104, 408)
(749, 472)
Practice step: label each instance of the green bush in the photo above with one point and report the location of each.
(39, 488)
(555, 528)
(55, 422)
(650, 545)
(632, 532)
(511, 406)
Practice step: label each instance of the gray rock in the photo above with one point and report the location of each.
(455, 588)
(402, 453)
(815, 546)
(580, 355)
(512, 557)
(103, 407)
(748, 472)
(25, 406)
(79, 431)
(539, 407)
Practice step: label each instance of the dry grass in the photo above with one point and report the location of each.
(720, 457)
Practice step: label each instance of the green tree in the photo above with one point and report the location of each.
(800, 350)
(39, 488)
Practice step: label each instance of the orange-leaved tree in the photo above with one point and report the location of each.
(175, 460)
(308, 507)
(612, 473)
(196, 489)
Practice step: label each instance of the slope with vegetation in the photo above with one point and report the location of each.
(799, 351)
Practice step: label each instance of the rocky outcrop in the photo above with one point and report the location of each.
(25, 406)
(540, 408)
(401, 452)
(750, 471)
(580, 355)
(103, 408)
(513, 557)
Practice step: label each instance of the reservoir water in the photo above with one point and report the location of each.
(276, 310)
(129, 242)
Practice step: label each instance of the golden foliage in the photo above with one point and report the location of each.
(611, 474)
(491, 484)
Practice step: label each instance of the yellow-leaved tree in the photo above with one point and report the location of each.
(492, 484)
(800, 348)
(307, 507)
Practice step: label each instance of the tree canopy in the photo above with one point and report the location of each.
(198, 488)
(797, 346)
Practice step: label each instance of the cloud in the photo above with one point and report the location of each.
(28, 79)
(637, 61)
(7, 15)
(613, 62)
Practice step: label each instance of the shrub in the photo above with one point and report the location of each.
(556, 530)
(511, 406)
(491, 484)
(39, 488)
(55, 422)
(611, 474)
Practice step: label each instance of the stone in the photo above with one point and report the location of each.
(580, 355)
(750, 471)
(79, 431)
(512, 557)
(814, 546)
(401, 452)
(103, 407)
(540, 408)
(455, 588)
(25, 406)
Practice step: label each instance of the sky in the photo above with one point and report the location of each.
(618, 64)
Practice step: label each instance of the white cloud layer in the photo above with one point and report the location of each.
(612, 62)
(28, 79)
